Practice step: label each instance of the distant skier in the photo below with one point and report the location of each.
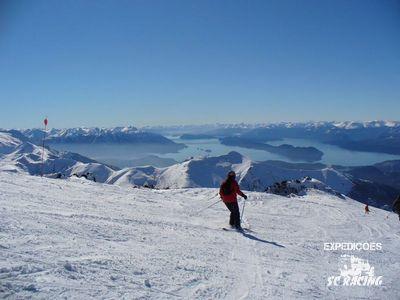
(228, 191)
(396, 206)
(366, 209)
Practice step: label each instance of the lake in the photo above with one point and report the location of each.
(124, 155)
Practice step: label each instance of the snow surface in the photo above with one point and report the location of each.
(79, 239)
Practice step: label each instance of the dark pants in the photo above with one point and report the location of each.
(234, 219)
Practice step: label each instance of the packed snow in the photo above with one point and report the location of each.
(76, 238)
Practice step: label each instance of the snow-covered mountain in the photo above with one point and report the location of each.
(211, 171)
(151, 134)
(376, 185)
(374, 136)
(9, 140)
(93, 135)
(78, 239)
(366, 124)
(370, 136)
(254, 176)
(196, 172)
(207, 128)
(25, 157)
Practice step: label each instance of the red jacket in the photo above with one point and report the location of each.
(233, 196)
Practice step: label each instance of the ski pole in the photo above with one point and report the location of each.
(241, 216)
(211, 205)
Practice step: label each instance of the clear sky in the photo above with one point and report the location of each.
(108, 63)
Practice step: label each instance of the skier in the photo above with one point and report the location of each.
(396, 206)
(228, 191)
(366, 209)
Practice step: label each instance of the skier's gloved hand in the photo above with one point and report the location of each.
(245, 197)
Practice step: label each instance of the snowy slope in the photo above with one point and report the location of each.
(300, 187)
(202, 172)
(255, 176)
(134, 176)
(101, 172)
(78, 239)
(8, 142)
(211, 171)
(19, 155)
(266, 173)
(26, 157)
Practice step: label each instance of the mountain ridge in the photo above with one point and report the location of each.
(375, 185)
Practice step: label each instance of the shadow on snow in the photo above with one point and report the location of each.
(254, 238)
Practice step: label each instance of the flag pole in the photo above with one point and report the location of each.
(44, 137)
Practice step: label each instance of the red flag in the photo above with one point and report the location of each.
(45, 122)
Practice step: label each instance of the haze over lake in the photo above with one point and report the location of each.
(125, 155)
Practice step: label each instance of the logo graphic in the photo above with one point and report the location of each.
(355, 271)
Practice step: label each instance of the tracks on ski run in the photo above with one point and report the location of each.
(245, 255)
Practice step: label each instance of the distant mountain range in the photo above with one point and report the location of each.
(95, 135)
(371, 136)
(377, 185)
(375, 136)
(181, 129)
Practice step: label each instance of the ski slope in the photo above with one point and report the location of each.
(79, 239)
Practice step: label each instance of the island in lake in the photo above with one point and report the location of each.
(196, 136)
(309, 154)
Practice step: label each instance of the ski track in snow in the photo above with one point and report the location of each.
(78, 239)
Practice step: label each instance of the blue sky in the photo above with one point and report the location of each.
(108, 63)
